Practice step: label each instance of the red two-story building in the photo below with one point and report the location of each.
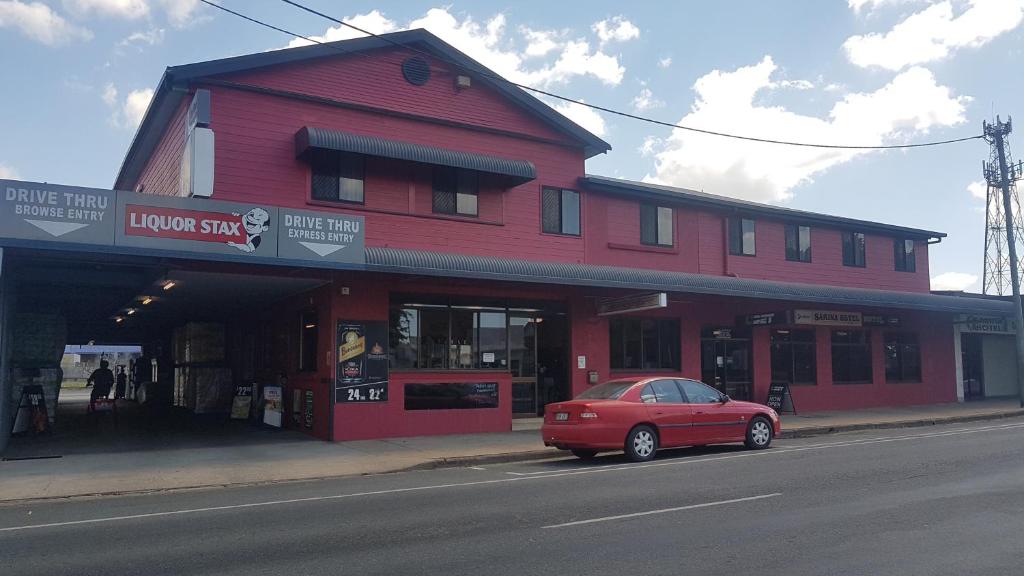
(416, 248)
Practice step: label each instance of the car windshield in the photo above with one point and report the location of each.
(607, 391)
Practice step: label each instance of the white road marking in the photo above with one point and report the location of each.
(665, 510)
(552, 474)
(477, 468)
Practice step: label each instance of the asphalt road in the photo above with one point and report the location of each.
(941, 500)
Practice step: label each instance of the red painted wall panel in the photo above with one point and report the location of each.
(161, 173)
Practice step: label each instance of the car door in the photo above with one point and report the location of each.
(713, 419)
(668, 410)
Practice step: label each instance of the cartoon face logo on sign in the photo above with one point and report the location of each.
(255, 222)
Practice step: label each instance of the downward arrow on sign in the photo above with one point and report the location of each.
(322, 249)
(55, 228)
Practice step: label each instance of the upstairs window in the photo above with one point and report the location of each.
(742, 241)
(560, 211)
(798, 243)
(456, 191)
(656, 225)
(853, 249)
(337, 176)
(903, 253)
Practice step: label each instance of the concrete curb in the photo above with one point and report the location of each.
(524, 456)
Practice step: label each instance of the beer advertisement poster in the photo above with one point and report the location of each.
(362, 371)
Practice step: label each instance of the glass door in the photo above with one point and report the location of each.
(522, 340)
(726, 362)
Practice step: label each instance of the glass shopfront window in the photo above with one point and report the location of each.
(902, 357)
(644, 343)
(793, 357)
(851, 357)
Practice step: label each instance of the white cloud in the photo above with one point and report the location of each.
(181, 13)
(488, 42)
(955, 281)
(109, 94)
(649, 146)
(909, 105)
(872, 5)
(978, 190)
(665, 62)
(585, 116)
(8, 172)
(128, 9)
(151, 37)
(934, 33)
(373, 21)
(40, 23)
(796, 84)
(126, 113)
(539, 42)
(616, 29)
(645, 100)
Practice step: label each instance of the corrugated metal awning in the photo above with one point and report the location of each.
(462, 266)
(518, 171)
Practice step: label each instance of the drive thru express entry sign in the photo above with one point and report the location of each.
(36, 212)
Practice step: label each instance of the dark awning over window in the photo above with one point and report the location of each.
(517, 171)
(462, 266)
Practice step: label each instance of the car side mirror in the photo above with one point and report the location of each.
(725, 398)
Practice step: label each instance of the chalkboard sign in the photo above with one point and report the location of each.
(777, 394)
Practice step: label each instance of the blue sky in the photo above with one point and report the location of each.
(79, 73)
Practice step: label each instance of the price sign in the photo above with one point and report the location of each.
(362, 371)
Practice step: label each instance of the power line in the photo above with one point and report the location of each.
(488, 74)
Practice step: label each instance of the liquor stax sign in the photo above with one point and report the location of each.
(47, 212)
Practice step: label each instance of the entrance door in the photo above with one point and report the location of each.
(522, 336)
(727, 361)
(973, 366)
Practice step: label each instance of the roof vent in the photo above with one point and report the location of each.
(416, 71)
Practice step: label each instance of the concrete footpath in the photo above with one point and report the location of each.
(65, 468)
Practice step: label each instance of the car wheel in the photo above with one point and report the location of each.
(759, 433)
(641, 444)
(584, 454)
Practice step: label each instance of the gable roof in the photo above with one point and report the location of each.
(175, 80)
(686, 196)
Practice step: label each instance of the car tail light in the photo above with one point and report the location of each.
(586, 415)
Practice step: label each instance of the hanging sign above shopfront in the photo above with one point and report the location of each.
(628, 304)
(827, 318)
(986, 324)
(259, 232)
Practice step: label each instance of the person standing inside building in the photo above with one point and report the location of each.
(101, 380)
(122, 383)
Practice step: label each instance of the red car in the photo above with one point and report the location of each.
(640, 415)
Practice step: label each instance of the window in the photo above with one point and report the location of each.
(455, 191)
(798, 243)
(337, 176)
(451, 396)
(853, 249)
(308, 331)
(666, 391)
(699, 393)
(442, 337)
(793, 357)
(741, 237)
(656, 225)
(851, 357)
(903, 253)
(560, 211)
(902, 358)
(644, 343)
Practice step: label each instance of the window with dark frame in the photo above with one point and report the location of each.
(447, 337)
(793, 356)
(742, 237)
(309, 329)
(903, 255)
(644, 343)
(853, 249)
(456, 191)
(798, 243)
(902, 357)
(337, 176)
(656, 225)
(560, 211)
(851, 357)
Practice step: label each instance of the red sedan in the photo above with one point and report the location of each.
(640, 415)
